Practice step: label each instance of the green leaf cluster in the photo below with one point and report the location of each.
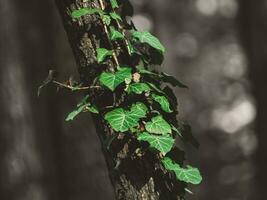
(153, 119)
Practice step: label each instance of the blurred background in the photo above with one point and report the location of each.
(217, 47)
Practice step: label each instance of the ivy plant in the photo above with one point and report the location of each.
(144, 106)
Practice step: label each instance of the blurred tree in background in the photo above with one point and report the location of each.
(217, 47)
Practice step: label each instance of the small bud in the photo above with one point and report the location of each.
(136, 77)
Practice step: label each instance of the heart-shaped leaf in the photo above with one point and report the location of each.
(138, 88)
(112, 80)
(122, 120)
(162, 143)
(138, 110)
(188, 174)
(146, 37)
(163, 101)
(102, 53)
(158, 125)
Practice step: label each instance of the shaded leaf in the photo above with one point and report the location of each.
(112, 80)
(158, 125)
(172, 80)
(148, 38)
(162, 143)
(155, 88)
(177, 130)
(188, 174)
(76, 112)
(163, 101)
(92, 109)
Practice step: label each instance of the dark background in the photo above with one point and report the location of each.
(217, 47)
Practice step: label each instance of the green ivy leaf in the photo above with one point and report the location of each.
(93, 109)
(86, 11)
(114, 4)
(76, 112)
(188, 174)
(158, 125)
(172, 80)
(146, 37)
(138, 88)
(115, 16)
(112, 80)
(115, 35)
(106, 19)
(138, 110)
(162, 143)
(163, 101)
(122, 120)
(102, 53)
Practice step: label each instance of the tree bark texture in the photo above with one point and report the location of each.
(133, 177)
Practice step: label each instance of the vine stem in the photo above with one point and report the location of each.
(75, 88)
(107, 34)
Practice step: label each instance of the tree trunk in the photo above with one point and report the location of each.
(253, 34)
(132, 177)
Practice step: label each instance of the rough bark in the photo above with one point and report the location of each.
(253, 31)
(132, 176)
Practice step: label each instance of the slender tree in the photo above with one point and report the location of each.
(133, 111)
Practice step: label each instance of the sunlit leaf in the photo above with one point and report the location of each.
(86, 11)
(163, 143)
(102, 53)
(138, 88)
(114, 4)
(106, 19)
(188, 174)
(146, 37)
(138, 110)
(122, 120)
(115, 35)
(158, 125)
(163, 101)
(112, 80)
(115, 16)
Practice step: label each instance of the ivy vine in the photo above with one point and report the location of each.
(151, 118)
